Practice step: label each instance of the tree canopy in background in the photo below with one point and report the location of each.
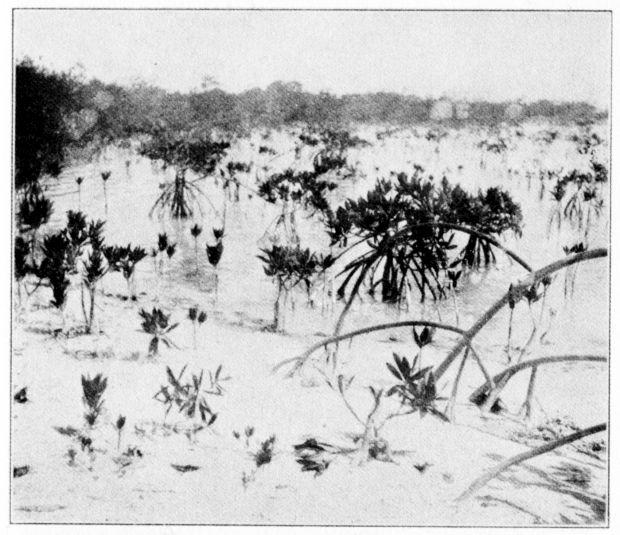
(43, 103)
(56, 110)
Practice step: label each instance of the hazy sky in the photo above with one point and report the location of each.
(561, 56)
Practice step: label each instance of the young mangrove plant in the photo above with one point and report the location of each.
(94, 269)
(289, 267)
(408, 229)
(124, 260)
(55, 267)
(33, 212)
(156, 324)
(195, 231)
(105, 176)
(197, 317)
(187, 397)
(184, 151)
(120, 423)
(93, 390)
(79, 181)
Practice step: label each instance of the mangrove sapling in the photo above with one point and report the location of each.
(233, 168)
(289, 266)
(33, 212)
(79, 181)
(196, 317)
(55, 268)
(184, 151)
(423, 339)
(187, 397)
(105, 176)
(21, 268)
(94, 270)
(453, 277)
(93, 390)
(214, 254)
(195, 231)
(125, 259)
(170, 250)
(120, 423)
(156, 324)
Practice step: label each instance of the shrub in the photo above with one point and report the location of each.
(187, 397)
(156, 323)
(93, 390)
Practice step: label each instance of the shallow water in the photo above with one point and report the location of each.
(245, 294)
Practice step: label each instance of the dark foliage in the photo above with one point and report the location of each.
(92, 390)
(394, 219)
(416, 387)
(43, 101)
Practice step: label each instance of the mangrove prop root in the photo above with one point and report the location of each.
(301, 359)
(534, 278)
(502, 378)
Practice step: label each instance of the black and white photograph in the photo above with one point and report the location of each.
(295, 266)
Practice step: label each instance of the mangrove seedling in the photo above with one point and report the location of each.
(93, 390)
(416, 387)
(105, 175)
(34, 211)
(94, 270)
(120, 423)
(55, 267)
(125, 259)
(196, 317)
(289, 266)
(79, 181)
(187, 397)
(265, 452)
(195, 231)
(156, 323)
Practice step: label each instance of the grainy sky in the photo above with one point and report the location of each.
(560, 56)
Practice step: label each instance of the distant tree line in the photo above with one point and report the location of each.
(54, 110)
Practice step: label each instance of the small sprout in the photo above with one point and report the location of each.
(421, 467)
(424, 338)
(214, 253)
(236, 435)
(194, 314)
(162, 242)
(106, 175)
(156, 323)
(21, 395)
(86, 443)
(454, 278)
(171, 249)
(218, 233)
(183, 468)
(71, 454)
(79, 180)
(196, 230)
(265, 453)
(120, 423)
(19, 471)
